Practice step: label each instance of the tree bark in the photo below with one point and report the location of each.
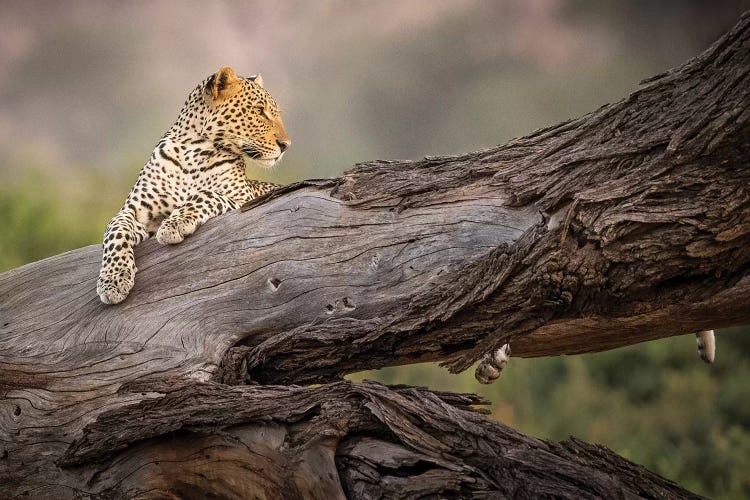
(628, 224)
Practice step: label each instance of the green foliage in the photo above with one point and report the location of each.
(44, 215)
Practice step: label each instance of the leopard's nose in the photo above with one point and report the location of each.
(283, 145)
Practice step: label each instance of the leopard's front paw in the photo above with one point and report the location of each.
(492, 365)
(114, 285)
(173, 231)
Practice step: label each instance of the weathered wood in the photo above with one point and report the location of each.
(399, 442)
(628, 224)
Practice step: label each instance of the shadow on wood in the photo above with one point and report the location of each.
(628, 224)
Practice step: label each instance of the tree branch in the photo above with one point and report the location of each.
(628, 224)
(376, 433)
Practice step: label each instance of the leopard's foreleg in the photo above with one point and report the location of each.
(117, 274)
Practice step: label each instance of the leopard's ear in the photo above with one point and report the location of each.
(257, 79)
(223, 84)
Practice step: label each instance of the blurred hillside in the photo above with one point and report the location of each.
(88, 87)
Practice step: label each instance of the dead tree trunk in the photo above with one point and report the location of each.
(628, 224)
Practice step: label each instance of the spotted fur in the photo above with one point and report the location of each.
(197, 171)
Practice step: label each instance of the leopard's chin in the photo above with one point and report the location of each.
(261, 162)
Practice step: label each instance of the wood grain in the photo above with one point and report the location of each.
(628, 224)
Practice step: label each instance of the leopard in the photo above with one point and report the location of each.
(196, 171)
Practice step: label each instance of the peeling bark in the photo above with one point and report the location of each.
(628, 224)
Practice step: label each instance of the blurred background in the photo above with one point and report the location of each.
(88, 87)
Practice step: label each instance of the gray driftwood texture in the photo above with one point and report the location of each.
(628, 224)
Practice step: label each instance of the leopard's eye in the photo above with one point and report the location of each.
(264, 112)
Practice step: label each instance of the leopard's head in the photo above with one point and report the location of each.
(244, 118)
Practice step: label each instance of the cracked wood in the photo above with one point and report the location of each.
(628, 224)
